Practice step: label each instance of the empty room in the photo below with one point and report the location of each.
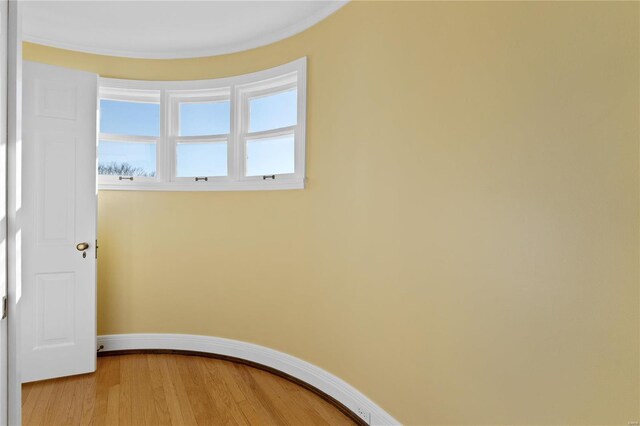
(320, 213)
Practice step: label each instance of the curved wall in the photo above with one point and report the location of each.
(466, 251)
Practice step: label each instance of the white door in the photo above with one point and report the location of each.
(58, 221)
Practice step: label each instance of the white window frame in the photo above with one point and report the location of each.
(131, 95)
(177, 97)
(238, 90)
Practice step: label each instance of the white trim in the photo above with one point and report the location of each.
(301, 370)
(112, 137)
(271, 133)
(4, 115)
(121, 94)
(263, 40)
(202, 139)
(211, 185)
(14, 201)
(146, 87)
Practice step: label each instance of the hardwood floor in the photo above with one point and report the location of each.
(163, 389)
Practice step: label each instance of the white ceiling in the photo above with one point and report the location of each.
(168, 29)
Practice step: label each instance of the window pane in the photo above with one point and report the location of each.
(201, 159)
(211, 118)
(129, 118)
(126, 158)
(273, 111)
(270, 156)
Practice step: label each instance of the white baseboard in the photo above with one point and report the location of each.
(301, 370)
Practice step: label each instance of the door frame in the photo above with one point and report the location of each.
(11, 190)
(10, 230)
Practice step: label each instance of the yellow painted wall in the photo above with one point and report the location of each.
(467, 249)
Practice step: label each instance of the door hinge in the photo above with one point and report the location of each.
(96, 249)
(5, 307)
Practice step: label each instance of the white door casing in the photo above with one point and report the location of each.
(4, 41)
(14, 200)
(59, 199)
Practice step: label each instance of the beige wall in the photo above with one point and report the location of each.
(466, 251)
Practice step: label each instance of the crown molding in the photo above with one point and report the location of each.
(263, 40)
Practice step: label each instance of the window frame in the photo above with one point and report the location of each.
(175, 99)
(259, 89)
(237, 90)
(133, 96)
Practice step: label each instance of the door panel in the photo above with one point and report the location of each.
(56, 204)
(58, 304)
(55, 295)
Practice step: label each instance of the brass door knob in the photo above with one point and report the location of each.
(82, 246)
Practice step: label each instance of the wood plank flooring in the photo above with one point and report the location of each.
(163, 389)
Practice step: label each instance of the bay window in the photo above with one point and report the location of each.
(236, 133)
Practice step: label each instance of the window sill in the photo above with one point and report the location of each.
(205, 186)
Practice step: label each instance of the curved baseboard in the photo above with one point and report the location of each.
(301, 370)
